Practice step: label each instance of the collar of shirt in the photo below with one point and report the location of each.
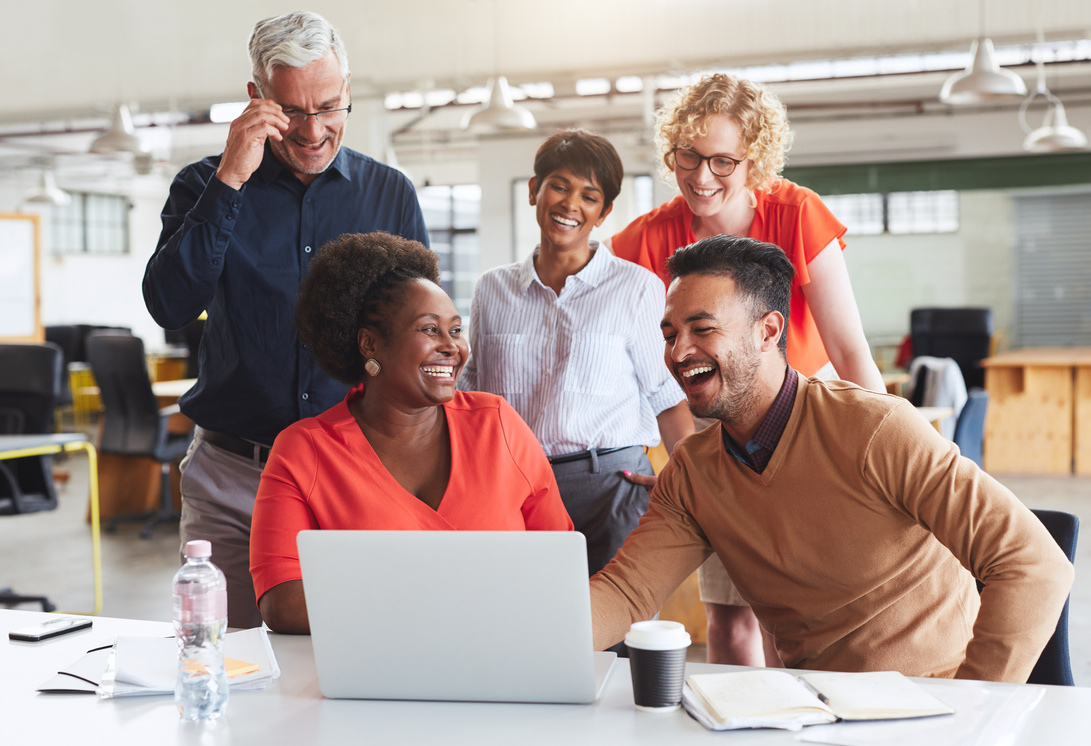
(271, 167)
(592, 274)
(759, 449)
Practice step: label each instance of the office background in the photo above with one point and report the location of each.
(861, 80)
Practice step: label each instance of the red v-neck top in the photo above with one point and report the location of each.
(323, 474)
(792, 217)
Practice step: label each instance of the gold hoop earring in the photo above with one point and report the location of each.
(372, 367)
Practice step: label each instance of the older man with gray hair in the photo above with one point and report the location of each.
(239, 231)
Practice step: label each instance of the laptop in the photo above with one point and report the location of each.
(486, 616)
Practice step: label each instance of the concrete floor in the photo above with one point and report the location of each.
(50, 553)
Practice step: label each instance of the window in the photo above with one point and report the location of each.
(862, 214)
(91, 224)
(451, 215)
(922, 212)
(897, 213)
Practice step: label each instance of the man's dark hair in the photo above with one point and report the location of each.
(357, 281)
(761, 271)
(585, 154)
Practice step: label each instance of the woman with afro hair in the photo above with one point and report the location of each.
(404, 450)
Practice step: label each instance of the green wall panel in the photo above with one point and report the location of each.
(1010, 172)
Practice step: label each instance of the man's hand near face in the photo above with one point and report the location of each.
(245, 148)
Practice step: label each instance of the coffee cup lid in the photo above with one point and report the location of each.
(657, 635)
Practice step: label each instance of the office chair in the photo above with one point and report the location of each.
(1054, 665)
(970, 428)
(30, 385)
(132, 423)
(68, 339)
(964, 334)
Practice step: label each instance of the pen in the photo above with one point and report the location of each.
(813, 690)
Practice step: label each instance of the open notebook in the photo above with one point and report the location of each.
(498, 616)
(777, 699)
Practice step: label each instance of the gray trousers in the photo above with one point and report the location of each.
(218, 491)
(603, 505)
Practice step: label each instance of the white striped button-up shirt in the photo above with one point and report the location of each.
(585, 369)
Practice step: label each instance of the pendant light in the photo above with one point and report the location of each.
(47, 192)
(500, 112)
(120, 137)
(984, 81)
(1055, 135)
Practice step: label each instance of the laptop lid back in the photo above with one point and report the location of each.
(498, 616)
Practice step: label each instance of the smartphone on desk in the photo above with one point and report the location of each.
(52, 628)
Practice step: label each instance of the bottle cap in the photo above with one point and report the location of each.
(198, 549)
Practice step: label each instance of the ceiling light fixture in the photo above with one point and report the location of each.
(47, 192)
(984, 81)
(120, 137)
(1055, 135)
(500, 112)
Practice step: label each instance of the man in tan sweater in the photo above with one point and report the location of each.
(851, 527)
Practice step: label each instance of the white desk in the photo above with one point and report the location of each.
(294, 712)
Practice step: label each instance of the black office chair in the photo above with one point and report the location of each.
(30, 385)
(133, 424)
(1054, 665)
(970, 428)
(68, 339)
(964, 334)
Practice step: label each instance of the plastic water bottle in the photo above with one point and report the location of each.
(200, 623)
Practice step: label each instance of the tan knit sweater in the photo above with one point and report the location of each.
(855, 547)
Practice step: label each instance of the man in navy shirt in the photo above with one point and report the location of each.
(239, 231)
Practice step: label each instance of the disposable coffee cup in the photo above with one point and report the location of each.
(657, 659)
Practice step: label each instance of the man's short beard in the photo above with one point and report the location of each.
(738, 397)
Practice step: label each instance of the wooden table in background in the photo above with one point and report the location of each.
(894, 380)
(1039, 416)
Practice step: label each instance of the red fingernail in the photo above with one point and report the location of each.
(627, 473)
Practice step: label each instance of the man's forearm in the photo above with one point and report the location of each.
(1016, 620)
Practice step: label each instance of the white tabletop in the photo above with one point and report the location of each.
(294, 712)
(22, 442)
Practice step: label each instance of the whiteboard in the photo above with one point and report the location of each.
(20, 308)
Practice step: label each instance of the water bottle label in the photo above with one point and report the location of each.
(202, 608)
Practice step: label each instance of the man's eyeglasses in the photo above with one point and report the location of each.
(719, 165)
(328, 118)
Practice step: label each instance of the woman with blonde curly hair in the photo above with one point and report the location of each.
(724, 140)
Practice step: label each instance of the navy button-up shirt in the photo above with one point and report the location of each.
(242, 255)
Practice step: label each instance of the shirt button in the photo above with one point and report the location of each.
(235, 204)
(307, 200)
(305, 397)
(307, 249)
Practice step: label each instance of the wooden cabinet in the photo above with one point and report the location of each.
(1039, 418)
